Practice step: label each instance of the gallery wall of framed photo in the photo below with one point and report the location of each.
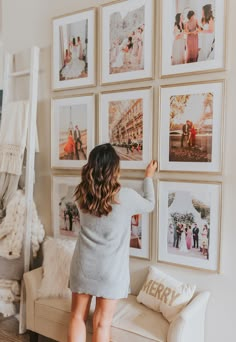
(147, 76)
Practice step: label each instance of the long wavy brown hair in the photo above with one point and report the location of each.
(99, 186)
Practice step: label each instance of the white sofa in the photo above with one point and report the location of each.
(133, 322)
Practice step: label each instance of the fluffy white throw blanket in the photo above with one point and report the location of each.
(13, 225)
(9, 295)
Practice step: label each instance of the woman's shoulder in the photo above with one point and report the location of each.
(126, 192)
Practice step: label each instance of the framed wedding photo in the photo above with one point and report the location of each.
(189, 224)
(191, 127)
(72, 131)
(127, 31)
(66, 219)
(126, 123)
(139, 224)
(73, 62)
(193, 36)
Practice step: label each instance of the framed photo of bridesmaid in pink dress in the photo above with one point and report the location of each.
(127, 41)
(193, 35)
(73, 50)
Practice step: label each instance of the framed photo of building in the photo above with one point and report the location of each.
(139, 225)
(73, 62)
(126, 123)
(66, 220)
(189, 224)
(127, 41)
(72, 131)
(191, 127)
(193, 36)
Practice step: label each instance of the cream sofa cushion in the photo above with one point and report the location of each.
(162, 293)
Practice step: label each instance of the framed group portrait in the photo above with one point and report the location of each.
(189, 224)
(127, 33)
(191, 127)
(126, 123)
(72, 131)
(74, 43)
(139, 224)
(66, 219)
(193, 36)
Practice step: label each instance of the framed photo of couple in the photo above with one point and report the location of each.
(193, 36)
(191, 127)
(189, 224)
(72, 131)
(66, 219)
(127, 48)
(73, 62)
(139, 225)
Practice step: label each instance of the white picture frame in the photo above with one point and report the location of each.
(65, 214)
(183, 207)
(192, 53)
(133, 142)
(73, 61)
(200, 107)
(140, 246)
(123, 60)
(72, 114)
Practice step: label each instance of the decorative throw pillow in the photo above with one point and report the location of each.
(56, 267)
(164, 294)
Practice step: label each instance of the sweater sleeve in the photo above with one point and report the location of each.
(142, 204)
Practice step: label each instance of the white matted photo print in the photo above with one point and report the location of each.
(191, 127)
(65, 214)
(126, 123)
(73, 61)
(193, 36)
(189, 224)
(139, 224)
(127, 41)
(72, 131)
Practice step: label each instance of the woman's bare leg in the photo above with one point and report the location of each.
(102, 319)
(79, 313)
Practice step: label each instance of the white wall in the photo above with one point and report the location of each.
(28, 22)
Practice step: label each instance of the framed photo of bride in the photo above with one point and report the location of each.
(73, 62)
(72, 131)
(192, 36)
(127, 31)
(139, 224)
(66, 219)
(125, 121)
(191, 127)
(189, 224)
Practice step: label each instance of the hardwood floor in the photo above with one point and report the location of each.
(9, 331)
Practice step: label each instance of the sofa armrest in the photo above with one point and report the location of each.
(189, 325)
(32, 281)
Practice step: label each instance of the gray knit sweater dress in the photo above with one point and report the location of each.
(100, 264)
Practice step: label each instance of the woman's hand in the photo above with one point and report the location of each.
(151, 168)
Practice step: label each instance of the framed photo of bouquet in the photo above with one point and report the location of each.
(66, 220)
(127, 41)
(139, 225)
(73, 62)
(191, 127)
(189, 224)
(193, 36)
(72, 131)
(126, 123)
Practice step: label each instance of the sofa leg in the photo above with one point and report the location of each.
(33, 336)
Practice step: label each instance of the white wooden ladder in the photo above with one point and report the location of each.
(8, 78)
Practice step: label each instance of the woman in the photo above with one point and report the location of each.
(178, 51)
(69, 147)
(76, 66)
(204, 246)
(100, 264)
(191, 29)
(171, 234)
(207, 34)
(183, 245)
(189, 237)
(79, 48)
(193, 133)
